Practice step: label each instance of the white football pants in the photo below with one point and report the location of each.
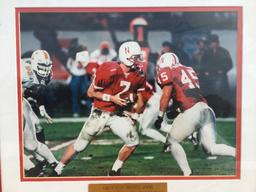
(148, 118)
(29, 135)
(97, 123)
(200, 117)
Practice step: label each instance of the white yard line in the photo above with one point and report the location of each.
(62, 145)
(97, 142)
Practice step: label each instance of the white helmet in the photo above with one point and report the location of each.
(41, 63)
(168, 60)
(129, 53)
(83, 57)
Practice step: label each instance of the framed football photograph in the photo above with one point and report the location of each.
(127, 96)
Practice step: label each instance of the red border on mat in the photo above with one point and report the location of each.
(237, 9)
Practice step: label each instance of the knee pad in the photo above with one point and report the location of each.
(143, 131)
(80, 145)
(133, 143)
(31, 146)
(207, 148)
(171, 141)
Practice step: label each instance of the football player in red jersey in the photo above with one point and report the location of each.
(181, 84)
(112, 90)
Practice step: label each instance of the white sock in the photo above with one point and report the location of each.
(59, 168)
(181, 158)
(45, 152)
(117, 165)
(28, 164)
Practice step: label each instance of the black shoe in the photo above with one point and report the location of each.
(194, 139)
(53, 165)
(115, 173)
(34, 172)
(166, 147)
(53, 172)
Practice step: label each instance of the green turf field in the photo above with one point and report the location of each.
(98, 158)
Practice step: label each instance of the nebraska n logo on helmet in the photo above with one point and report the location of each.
(127, 50)
(168, 60)
(130, 53)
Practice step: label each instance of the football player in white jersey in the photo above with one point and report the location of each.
(36, 74)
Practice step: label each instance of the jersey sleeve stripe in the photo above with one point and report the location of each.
(141, 89)
(97, 87)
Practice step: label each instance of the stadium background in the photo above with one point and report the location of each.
(92, 28)
(58, 29)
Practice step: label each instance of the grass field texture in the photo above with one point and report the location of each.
(147, 160)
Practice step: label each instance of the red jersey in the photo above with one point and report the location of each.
(185, 86)
(91, 68)
(110, 79)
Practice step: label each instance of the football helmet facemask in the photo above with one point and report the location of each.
(41, 63)
(130, 54)
(168, 60)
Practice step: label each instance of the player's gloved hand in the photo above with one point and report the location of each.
(158, 122)
(44, 114)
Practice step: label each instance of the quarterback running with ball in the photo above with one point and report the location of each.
(114, 89)
(181, 84)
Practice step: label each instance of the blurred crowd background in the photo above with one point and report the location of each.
(206, 41)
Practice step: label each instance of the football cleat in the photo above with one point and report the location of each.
(115, 173)
(194, 139)
(38, 170)
(166, 147)
(33, 172)
(53, 174)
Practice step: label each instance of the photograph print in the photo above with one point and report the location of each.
(129, 93)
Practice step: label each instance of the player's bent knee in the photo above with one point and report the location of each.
(132, 147)
(144, 131)
(31, 146)
(80, 145)
(209, 149)
(133, 143)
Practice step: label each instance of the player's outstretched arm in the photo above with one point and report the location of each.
(165, 98)
(164, 102)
